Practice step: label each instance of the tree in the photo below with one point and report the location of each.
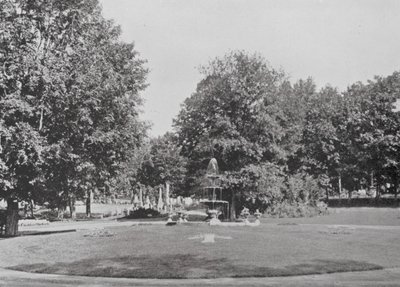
(353, 138)
(232, 116)
(295, 101)
(164, 164)
(20, 140)
(66, 75)
(377, 128)
(330, 148)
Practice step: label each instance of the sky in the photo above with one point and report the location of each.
(336, 42)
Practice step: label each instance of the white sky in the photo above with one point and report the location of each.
(337, 41)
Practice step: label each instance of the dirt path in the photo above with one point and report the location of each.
(386, 277)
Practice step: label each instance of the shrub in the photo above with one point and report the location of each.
(269, 188)
(192, 217)
(144, 213)
(297, 209)
(50, 215)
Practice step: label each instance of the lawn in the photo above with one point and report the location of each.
(275, 248)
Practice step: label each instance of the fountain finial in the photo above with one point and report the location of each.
(212, 168)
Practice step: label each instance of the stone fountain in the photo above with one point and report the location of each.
(213, 197)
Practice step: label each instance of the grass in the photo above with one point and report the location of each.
(350, 216)
(278, 247)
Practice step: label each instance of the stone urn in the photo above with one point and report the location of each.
(180, 217)
(257, 215)
(245, 215)
(214, 216)
(169, 217)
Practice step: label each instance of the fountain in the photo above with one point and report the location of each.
(213, 198)
(217, 202)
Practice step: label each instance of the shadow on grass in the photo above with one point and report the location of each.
(182, 266)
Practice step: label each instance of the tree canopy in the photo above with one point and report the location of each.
(259, 125)
(69, 98)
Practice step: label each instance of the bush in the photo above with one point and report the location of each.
(268, 187)
(144, 213)
(297, 209)
(50, 215)
(302, 187)
(192, 218)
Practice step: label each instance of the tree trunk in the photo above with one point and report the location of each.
(340, 184)
(25, 209)
(349, 197)
(371, 185)
(72, 208)
(12, 218)
(32, 206)
(396, 184)
(327, 194)
(378, 187)
(89, 203)
(60, 212)
(41, 119)
(233, 207)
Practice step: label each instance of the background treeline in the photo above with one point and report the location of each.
(70, 127)
(282, 145)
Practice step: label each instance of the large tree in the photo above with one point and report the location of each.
(68, 80)
(377, 128)
(163, 164)
(327, 143)
(233, 116)
(353, 137)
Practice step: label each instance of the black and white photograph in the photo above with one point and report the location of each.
(199, 143)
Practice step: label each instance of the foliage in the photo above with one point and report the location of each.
(250, 118)
(163, 163)
(69, 120)
(277, 142)
(268, 185)
(354, 136)
(231, 117)
(144, 213)
(69, 100)
(378, 127)
(297, 209)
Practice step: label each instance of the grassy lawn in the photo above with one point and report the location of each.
(350, 216)
(275, 248)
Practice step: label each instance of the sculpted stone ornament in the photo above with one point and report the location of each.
(214, 217)
(180, 217)
(208, 237)
(257, 214)
(169, 218)
(245, 215)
